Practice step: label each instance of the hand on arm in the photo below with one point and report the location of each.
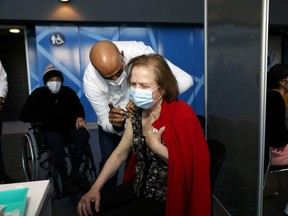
(80, 122)
(153, 140)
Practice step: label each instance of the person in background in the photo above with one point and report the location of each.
(163, 134)
(62, 120)
(106, 88)
(276, 130)
(4, 178)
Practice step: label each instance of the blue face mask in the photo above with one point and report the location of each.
(143, 98)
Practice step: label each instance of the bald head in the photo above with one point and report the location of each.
(106, 58)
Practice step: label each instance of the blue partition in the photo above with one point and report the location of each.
(67, 47)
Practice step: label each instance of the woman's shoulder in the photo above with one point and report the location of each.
(180, 108)
(273, 93)
(274, 96)
(180, 104)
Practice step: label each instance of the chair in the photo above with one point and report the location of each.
(217, 155)
(270, 169)
(202, 121)
(38, 161)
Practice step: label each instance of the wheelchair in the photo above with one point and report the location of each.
(38, 162)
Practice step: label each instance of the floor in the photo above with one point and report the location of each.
(11, 147)
(12, 157)
(274, 205)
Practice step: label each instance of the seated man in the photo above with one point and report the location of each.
(62, 120)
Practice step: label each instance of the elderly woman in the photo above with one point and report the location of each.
(171, 169)
(276, 131)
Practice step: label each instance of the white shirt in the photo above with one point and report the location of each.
(99, 92)
(3, 82)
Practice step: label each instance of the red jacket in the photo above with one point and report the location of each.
(188, 192)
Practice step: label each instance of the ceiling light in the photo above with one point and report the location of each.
(14, 30)
(64, 0)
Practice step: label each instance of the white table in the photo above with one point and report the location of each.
(38, 197)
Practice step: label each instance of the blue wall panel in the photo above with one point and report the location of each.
(182, 46)
(185, 48)
(146, 34)
(197, 96)
(64, 57)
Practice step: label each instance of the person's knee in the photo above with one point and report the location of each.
(83, 133)
(53, 138)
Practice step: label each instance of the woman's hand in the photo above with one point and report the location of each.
(84, 207)
(80, 122)
(153, 137)
(153, 140)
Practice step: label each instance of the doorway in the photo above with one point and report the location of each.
(13, 58)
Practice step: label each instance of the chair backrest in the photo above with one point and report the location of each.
(202, 120)
(217, 155)
(269, 168)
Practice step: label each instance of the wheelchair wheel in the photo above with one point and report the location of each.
(30, 162)
(52, 175)
(88, 168)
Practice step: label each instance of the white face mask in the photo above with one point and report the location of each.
(54, 86)
(119, 81)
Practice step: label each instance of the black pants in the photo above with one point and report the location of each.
(122, 201)
(57, 142)
(108, 142)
